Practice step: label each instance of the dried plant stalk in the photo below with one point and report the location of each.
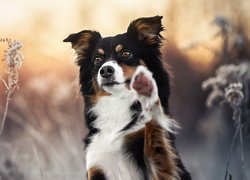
(227, 87)
(13, 58)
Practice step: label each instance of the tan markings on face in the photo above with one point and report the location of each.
(98, 95)
(100, 51)
(142, 63)
(95, 85)
(94, 171)
(99, 92)
(128, 71)
(118, 48)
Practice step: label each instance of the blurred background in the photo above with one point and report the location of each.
(42, 137)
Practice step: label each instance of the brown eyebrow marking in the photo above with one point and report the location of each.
(118, 48)
(100, 51)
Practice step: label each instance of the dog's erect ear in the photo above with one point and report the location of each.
(84, 43)
(147, 29)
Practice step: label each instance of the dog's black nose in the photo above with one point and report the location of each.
(107, 71)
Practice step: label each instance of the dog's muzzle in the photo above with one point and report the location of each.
(110, 74)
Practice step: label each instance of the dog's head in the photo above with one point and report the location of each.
(107, 64)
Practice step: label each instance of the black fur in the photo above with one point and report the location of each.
(135, 149)
(136, 111)
(90, 118)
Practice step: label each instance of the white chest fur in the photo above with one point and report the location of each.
(113, 113)
(105, 151)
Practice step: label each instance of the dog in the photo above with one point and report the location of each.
(126, 89)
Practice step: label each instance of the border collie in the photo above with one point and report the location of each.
(126, 90)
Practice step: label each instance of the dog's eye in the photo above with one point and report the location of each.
(126, 53)
(98, 59)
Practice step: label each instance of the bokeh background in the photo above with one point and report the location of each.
(43, 134)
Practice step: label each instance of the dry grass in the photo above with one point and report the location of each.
(42, 138)
(13, 58)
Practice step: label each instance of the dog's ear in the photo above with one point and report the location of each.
(147, 30)
(84, 43)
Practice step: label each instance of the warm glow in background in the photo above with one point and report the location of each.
(45, 116)
(42, 25)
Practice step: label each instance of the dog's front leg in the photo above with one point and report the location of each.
(158, 151)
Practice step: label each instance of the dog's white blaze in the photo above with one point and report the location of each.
(118, 77)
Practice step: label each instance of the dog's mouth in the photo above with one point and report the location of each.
(111, 83)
